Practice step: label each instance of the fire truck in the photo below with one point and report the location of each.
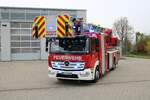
(77, 51)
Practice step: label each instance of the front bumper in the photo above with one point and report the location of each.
(86, 74)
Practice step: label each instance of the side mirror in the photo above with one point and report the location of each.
(46, 46)
(48, 40)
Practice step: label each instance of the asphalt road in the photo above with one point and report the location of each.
(28, 80)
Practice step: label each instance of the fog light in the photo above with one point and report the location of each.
(50, 72)
(85, 74)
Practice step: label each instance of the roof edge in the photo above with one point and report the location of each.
(11, 7)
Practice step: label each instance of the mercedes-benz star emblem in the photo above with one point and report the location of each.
(66, 63)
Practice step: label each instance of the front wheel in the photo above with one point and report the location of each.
(96, 75)
(114, 64)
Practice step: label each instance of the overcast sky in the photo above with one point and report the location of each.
(103, 12)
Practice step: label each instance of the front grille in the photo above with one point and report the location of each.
(66, 76)
(59, 65)
(68, 69)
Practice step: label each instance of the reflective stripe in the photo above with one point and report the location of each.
(61, 20)
(40, 22)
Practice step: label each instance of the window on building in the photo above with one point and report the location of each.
(26, 38)
(44, 12)
(15, 50)
(53, 12)
(31, 16)
(15, 25)
(5, 14)
(35, 44)
(17, 16)
(26, 25)
(15, 44)
(21, 39)
(15, 31)
(25, 44)
(15, 38)
(25, 31)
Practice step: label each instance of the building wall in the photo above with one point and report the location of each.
(22, 45)
(0, 41)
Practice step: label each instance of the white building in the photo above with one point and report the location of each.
(16, 42)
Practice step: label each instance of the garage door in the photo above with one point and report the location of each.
(23, 47)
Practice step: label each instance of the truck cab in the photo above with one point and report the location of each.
(75, 58)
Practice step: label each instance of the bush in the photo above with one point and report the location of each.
(148, 45)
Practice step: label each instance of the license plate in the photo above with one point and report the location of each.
(67, 73)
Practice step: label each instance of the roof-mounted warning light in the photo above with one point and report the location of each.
(77, 25)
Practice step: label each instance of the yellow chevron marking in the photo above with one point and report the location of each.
(40, 30)
(38, 18)
(66, 20)
(63, 23)
(61, 29)
(41, 22)
(59, 34)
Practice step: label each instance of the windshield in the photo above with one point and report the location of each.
(69, 45)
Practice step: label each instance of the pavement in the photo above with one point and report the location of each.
(28, 80)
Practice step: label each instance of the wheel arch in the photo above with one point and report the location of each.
(97, 65)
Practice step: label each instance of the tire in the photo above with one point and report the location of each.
(96, 75)
(114, 65)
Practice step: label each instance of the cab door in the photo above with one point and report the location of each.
(94, 51)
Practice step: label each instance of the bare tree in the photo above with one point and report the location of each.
(122, 28)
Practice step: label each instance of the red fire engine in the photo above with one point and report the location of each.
(82, 54)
